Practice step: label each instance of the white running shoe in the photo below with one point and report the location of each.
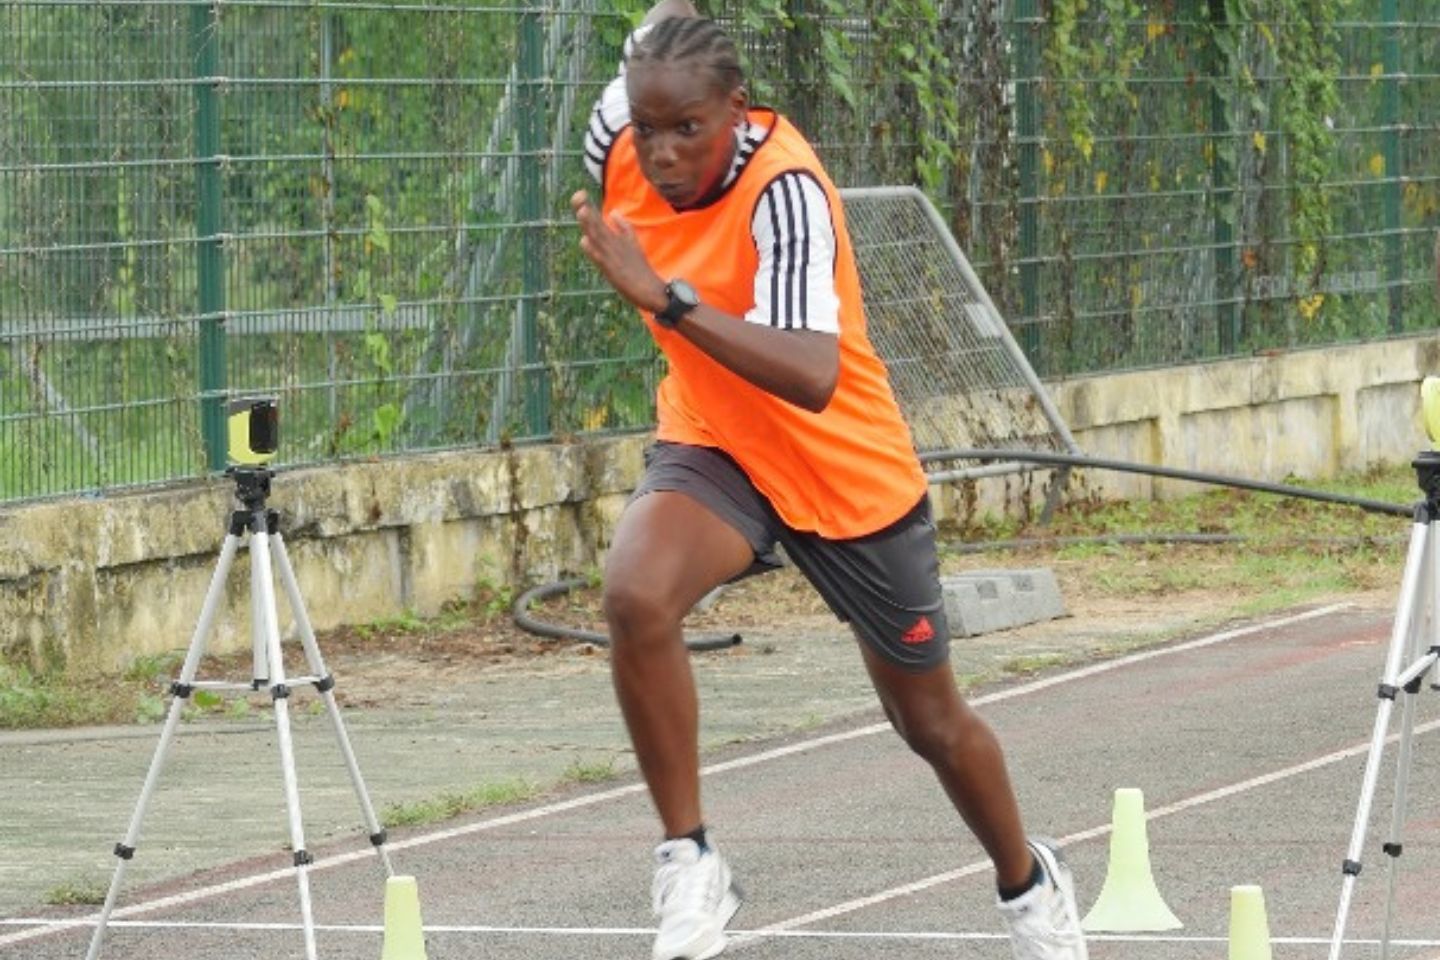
(694, 897)
(1044, 921)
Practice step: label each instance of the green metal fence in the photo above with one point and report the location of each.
(361, 207)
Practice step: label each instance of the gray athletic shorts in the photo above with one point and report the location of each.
(886, 584)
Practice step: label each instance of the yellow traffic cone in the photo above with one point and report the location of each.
(1128, 901)
(1249, 930)
(404, 935)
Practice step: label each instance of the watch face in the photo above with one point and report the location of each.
(685, 293)
(683, 299)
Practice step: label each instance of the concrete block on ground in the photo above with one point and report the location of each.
(983, 601)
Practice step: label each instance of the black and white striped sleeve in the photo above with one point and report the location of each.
(611, 113)
(795, 238)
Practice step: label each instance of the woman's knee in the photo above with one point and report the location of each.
(934, 739)
(941, 732)
(632, 605)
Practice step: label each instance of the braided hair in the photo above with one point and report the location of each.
(700, 39)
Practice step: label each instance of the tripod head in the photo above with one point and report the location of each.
(1427, 473)
(252, 486)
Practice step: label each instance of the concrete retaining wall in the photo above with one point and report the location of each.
(98, 582)
(1308, 414)
(95, 583)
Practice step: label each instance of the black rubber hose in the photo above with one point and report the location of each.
(545, 591)
(1076, 460)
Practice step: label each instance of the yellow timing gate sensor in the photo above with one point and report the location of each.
(1430, 408)
(254, 432)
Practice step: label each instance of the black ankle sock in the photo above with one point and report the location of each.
(698, 835)
(1037, 874)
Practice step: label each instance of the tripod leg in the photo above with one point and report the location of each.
(1399, 636)
(260, 653)
(1393, 846)
(1422, 626)
(326, 686)
(260, 569)
(180, 693)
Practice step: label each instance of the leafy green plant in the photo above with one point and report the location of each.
(1301, 39)
(916, 48)
(1307, 55)
(158, 666)
(150, 708)
(493, 599)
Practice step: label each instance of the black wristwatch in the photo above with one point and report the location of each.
(683, 299)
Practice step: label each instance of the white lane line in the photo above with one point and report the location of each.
(1179, 806)
(604, 796)
(433, 930)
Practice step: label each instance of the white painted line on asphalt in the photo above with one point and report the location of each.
(1105, 666)
(604, 796)
(980, 866)
(431, 930)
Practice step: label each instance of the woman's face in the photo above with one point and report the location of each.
(684, 127)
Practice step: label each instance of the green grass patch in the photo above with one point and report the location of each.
(410, 623)
(76, 893)
(452, 803)
(1252, 513)
(405, 622)
(1291, 549)
(35, 701)
(1033, 663)
(139, 694)
(596, 771)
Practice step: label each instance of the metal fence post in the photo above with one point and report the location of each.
(209, 251)
(1028, 132)
(1224, 208)
(329, 119)
(531, 106)
(1390, 110)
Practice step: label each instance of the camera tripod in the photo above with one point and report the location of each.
(252, 488)
(1416, 629)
